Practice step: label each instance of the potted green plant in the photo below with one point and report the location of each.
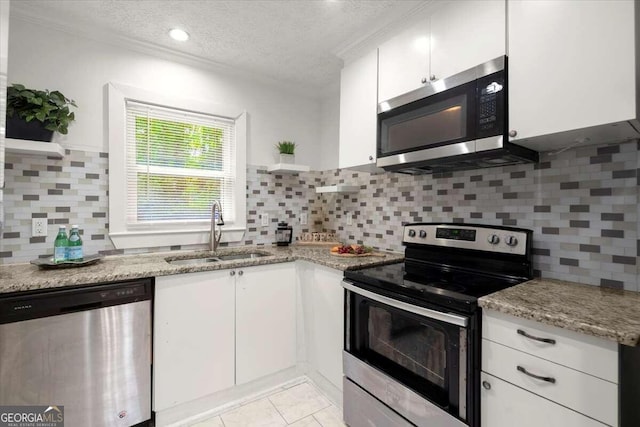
(36, 114)
(287, 151)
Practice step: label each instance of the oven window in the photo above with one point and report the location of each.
(419, 352)
(417, 347)
(426, 126)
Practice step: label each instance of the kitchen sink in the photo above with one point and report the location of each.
(229, 257)
(192, 261)
(233, 257)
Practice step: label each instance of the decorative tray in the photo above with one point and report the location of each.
(303, 243)
(49, 263)
(378, 254)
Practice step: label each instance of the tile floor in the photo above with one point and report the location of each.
(302, 405)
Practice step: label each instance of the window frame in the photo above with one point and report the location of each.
(124, 237)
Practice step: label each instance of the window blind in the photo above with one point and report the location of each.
(178, 162)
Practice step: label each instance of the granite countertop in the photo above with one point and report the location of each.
(27, 277)
(601, 312)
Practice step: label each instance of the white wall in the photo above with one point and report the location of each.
(44, 58)
(330, 130)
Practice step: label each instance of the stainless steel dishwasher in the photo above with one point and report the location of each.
(87, 349)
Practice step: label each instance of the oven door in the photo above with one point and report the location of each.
(422, 349)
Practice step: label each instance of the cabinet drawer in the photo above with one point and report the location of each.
(577, 351)
(581, 392)
(505, 405)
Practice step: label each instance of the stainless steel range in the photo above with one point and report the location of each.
(412, 330)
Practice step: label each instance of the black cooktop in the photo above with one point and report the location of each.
(432, 284)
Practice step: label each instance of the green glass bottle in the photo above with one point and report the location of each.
(74, 252)
(61, 245)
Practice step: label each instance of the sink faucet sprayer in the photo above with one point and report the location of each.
(215, 240)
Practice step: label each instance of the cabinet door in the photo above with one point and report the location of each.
(265, 320)
(4, 55)
(505, 405)
(193, 337)
(465, 34)
(403, 62)
(358, 112)
(328, 324)
(571, 65)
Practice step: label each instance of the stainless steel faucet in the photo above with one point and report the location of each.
(213, 239)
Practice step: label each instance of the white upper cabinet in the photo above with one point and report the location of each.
(571, 66)
(465, 34)
(403, 63)
(456, 36)
(358, 113)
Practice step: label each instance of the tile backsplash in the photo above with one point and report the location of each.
(582, 205)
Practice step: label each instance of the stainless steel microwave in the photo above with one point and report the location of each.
(457, 123)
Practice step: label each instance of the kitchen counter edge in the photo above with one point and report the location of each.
(610, 314)
(26, 277)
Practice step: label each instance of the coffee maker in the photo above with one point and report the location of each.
(284, 234)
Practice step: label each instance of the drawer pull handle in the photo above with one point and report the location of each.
(531, 337)
(538, 377)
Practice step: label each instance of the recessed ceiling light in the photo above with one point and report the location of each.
(179, 35)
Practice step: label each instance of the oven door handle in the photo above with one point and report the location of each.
(421, 311)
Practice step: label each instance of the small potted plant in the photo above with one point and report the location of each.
(36, 114)
(287, 151)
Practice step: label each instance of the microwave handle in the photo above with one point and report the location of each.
(420, 311)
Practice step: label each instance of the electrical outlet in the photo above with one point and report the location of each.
(38, 227)
(264, 219)
(303, 218)
(349, 218)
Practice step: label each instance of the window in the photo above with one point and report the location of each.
(171, 159)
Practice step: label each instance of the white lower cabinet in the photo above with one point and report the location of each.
(193, 337)
(539, 375)
(328, 324)
(265, 320)
(216, 329)
(505, 405)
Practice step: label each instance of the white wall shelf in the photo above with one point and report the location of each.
(287, 168)
(34, 148)
(340, 188)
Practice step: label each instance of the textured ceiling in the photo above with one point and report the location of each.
(288, 40)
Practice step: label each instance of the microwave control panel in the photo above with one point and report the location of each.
(491, 104)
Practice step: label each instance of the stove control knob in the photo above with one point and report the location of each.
(423, 234)
(412, 233)
(511, 240)
(493, 239)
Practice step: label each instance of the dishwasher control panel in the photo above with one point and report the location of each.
(52, 302)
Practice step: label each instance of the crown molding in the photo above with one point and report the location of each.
(25, 12)
(365, 44)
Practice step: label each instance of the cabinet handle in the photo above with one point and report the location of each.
(432, 77)
(513, 133)
(486, 385)
(370, 158)
(538, 377)
(232, 273)
(531, 337)
(240, 273)
(424, 80)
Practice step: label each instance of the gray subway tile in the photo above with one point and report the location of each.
(628, 260)
(578, 224)
(613, 284)
(579, 208)
(590, 248)
(569, 261)
(600, 192)
(612, 233)
(612, 216)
